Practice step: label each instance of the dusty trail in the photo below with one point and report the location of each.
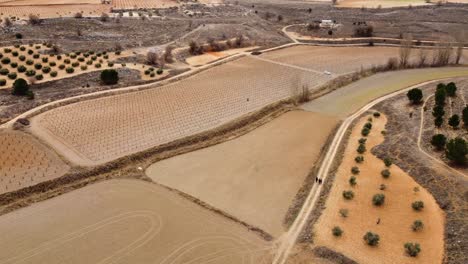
(287, 242)
(438, 161)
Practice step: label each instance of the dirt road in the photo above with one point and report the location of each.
(287, 242)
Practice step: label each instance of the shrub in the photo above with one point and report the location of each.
(52, 64)
(159, 71)
(451, 89)
(2, 82)
(46, 69)
(22, 48)
(361, 149)
(456, 150)
(12, 75)
(383, 187)
(337, 231)
(6, 60)
(21, 68)
(14, 64)
(110, 64)
(39, 77)
(29, 62)
(15, 54)
(30, 95)
(62, 66)
(30, 51)
(348, 195)
(385, 173)
(454, 121)
(30, 73)
(75, 64)
(90, 62)
(438, 121)
(18, 35)
(440, 94)
(84, 67)
(465, 116)
(20, 87)
(412, 249)
(371, 239)
(152, 75)
(59, 57)
(36, 56)
(66, 61)
(147, 72)
(365, 131)
(37, 66)
(417, 205)
(439, 141)
(359, 159)
(81, 59)
(344, 212)
(22, 58)
(53, 74)
(415, 95)
(388, 162)
(97, 65)
(352, 181)
(378, 199)
(70, 70)
(368, 125)
(438, 110)
(109, 76)
(417, 225)
(45, 59)
(7, 50)
(4, 71)
(355, 170)
(362, 140)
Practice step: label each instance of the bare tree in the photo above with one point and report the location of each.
(459, 46)
(405, 50)
(195, 48)
(34, 19)
(168, 56)
(152, 58)
(104, 17)
(422, 57)
(7, 22)
(441, 56)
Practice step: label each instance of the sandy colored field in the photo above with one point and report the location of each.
(47, 2)
(116, 126)
(53, 11)
(137, 4)
(337, 60)
(25, 162)
(40, 49)
(124, 221)
(212, 56)
(254, 177)
(396, 215)
(350, 98)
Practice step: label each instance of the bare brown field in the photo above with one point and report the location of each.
(116, 126)
(392, 221)
(137, 4)
(48, 2)
(336, 60)
(254, 177)
(25, 162)
(125, 221)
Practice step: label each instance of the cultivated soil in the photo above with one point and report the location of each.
(392, 221)
(254, 177)
(128, 221)
(167, 113)
(25, 162)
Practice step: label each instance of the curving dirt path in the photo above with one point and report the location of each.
(287, 242)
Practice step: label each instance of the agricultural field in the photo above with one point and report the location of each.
(171, 112)
(254, 177)
(142, 4)
(322, 58)
(391, 219)
(26, 162)
(37, 63)
(125, 221)
(52, 11)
